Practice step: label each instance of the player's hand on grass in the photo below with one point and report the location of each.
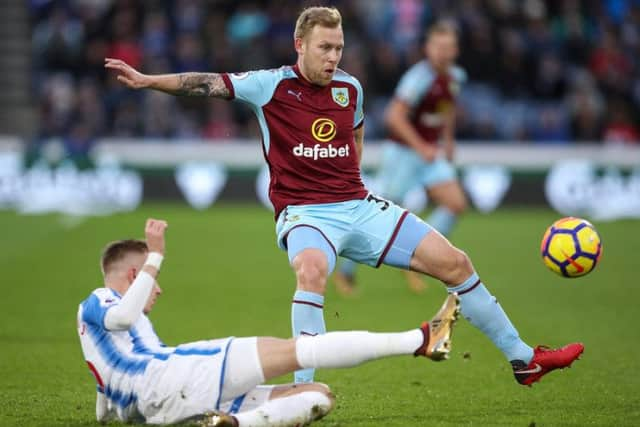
(428, 152)
(127, 74)
(154, 233)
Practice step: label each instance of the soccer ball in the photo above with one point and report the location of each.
(571, 247)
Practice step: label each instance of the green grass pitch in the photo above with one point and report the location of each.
(224, 275)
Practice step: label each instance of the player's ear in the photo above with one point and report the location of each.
(131, 274)
(299, 45)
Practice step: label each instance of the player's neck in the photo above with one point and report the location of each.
(440, 69)
(302, 71)
(119, 286)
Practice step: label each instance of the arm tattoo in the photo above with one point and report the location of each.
(202, 84)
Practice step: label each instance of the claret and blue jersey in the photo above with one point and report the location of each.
(307, 133)
(429, 96)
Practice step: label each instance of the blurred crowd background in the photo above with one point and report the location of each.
(554, 71)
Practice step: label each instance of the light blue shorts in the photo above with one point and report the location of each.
(403, 169)
(370, 231)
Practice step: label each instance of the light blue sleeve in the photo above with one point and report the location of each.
(342, 76)
(358, 117)
(414, 84)
(459, 75)
(256, 87)
(459, 78)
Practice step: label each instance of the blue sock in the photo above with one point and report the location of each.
(442, 219)
(348, 267)
(482, 309)
(307, 318)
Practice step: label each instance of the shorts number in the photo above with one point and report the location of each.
(385, 203)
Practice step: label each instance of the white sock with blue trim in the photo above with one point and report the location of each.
(307, 318)
(482, 309)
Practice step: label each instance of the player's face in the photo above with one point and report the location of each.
(320, 53)
(152, 298)
(442, 50)
(137, 263)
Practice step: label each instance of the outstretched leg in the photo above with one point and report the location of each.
(436, 257)
(252, 361)
(351, 348)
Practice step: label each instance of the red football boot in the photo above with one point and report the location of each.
(545, 360)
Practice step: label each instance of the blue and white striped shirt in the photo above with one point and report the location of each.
(118, 359)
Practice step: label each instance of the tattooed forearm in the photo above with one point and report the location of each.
(201, 84)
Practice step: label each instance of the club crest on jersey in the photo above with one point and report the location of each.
(454, 88)
(340, 96)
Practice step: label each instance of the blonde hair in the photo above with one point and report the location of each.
(442, 28)
(310, 17)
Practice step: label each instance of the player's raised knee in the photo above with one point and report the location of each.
(311, 267)
(459, 268)
(459, 206)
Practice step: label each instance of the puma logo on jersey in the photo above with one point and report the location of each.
(319, 151)
(298, 95)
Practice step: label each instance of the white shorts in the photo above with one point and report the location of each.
(185, 385)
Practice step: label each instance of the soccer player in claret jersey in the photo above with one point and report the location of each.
(312, 124)
(214, 382)
(422, 112)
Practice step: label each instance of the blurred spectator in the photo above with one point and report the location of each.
(125, 44)
(58, 41)
(189, 54)
(220, 124)
(247, 23)
(514, 67)
(479, 54)
(610, 65)
(540, 70)
(78, 143)
(572, 27)
(189, 15)
(620, 129)
(156, 38)
(586, 107)
(159, 110)
(550, 124)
